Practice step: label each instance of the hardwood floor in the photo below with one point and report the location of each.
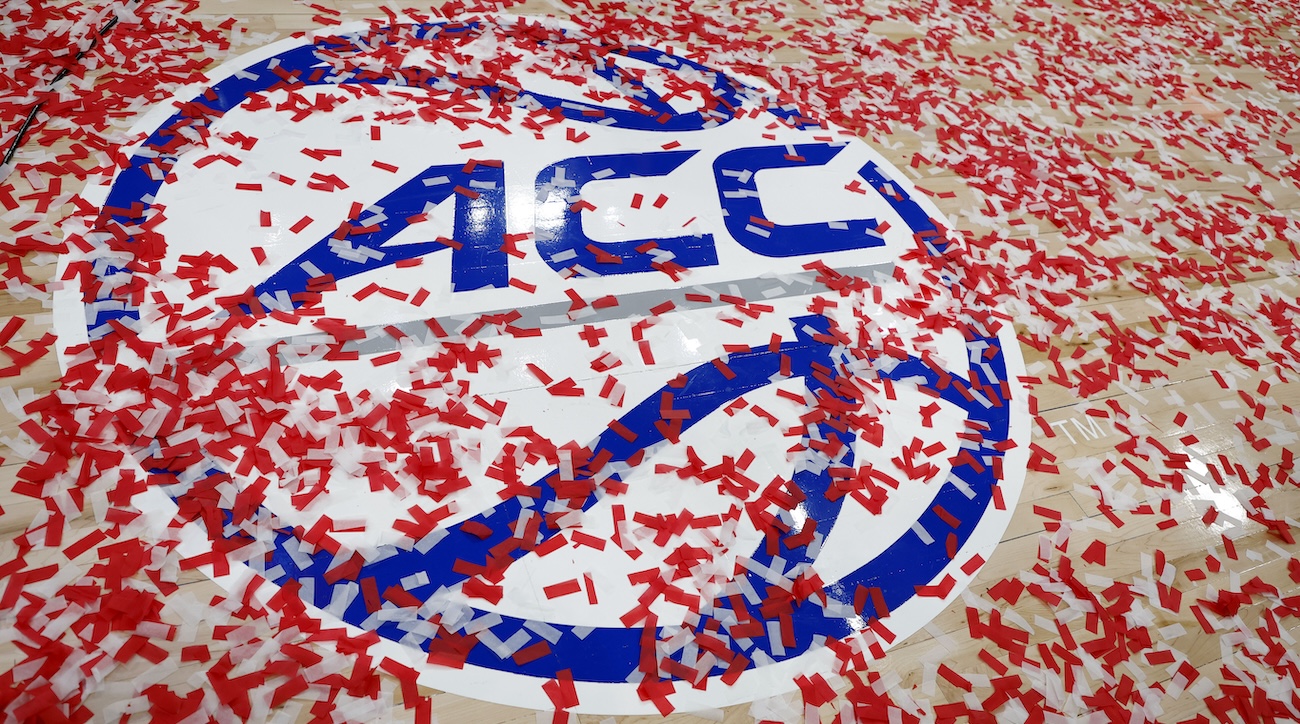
(1127, 180)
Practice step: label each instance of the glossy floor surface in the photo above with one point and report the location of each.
(1126, 180)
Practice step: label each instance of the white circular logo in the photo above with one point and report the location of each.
(583, 375)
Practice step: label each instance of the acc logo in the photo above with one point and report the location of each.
(544, 359)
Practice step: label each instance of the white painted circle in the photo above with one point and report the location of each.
(208, 211)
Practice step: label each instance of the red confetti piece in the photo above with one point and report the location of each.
(586, 539)
(563, 588)
(1095, 553)
(10, 329)
(541, 376)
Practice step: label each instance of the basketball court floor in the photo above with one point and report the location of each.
(631, 361)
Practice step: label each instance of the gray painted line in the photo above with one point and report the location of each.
(552, 315)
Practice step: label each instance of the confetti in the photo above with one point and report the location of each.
(1134, 237)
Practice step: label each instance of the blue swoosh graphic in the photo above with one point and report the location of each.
(906, 563)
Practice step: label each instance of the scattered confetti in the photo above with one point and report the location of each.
(1123, 178)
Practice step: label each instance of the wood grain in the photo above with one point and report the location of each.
(1083, 438)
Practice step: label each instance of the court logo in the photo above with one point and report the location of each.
(583, 375)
